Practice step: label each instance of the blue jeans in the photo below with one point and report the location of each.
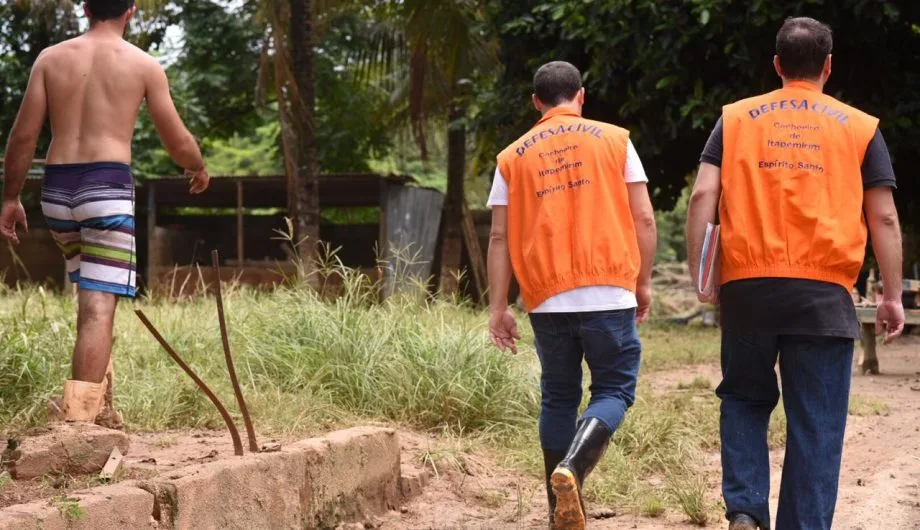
(815, 374)
(609, 342)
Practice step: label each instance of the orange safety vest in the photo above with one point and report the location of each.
(569, 222)
(792, 190)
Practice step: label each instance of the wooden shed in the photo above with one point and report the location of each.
(243, 218)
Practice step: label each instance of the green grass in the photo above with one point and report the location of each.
(308, 365)
(164, 443)
(863, 406)
(305, 365)
(698, 383)
(70, 509)
(492, 499)
(651, 506)
(666, 347)
(690, 491)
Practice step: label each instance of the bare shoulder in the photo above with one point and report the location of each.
(148, 67)
(137, 54)
(57, 52)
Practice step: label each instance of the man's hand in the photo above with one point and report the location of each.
(199, 180)
(644, 297)
(711, 298)
(890, 318)
(13, 216)
(503, 330)
(701, 211)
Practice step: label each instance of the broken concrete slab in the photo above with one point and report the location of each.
(412, 481)
(345, 477)
(122, 505)
(313, 483)
(257, 491)
(66, 448)
(331, 465)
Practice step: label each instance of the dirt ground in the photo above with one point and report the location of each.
(879, 483)
(880, 480)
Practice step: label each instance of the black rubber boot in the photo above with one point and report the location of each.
(742, 521)
(587, 448)
(551, 459)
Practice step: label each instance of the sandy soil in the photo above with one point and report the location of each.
(879, 484)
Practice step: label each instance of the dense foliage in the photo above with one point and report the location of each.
(662, 69)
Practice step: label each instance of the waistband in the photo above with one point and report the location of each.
(85, 167)
(72, 176)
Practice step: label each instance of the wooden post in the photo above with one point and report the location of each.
(240, 255)
(477, 261)
(383, 237)
(452, 234)
(868, 362)
(152, 249)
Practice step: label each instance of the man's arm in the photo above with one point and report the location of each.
(640, 205)
(502, 327)
(704, 202)
(20, 148)
(882, 218)
(178, 141)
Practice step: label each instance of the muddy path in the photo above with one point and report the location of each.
(879, 484)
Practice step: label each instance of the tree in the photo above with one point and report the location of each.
(212, 78)
(288, 59)
(302, 100)
(665, 69)
(27, 28)
(434, 49)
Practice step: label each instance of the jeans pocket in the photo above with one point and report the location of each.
(618, 326)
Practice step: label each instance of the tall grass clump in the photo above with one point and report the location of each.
(33, 327)
(306, 361)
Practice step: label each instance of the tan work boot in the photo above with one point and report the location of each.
(82, 401)
(108, 417)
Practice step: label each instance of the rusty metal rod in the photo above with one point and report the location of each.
(234, 433)
(250, 431)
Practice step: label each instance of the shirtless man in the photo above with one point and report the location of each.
(91, 88)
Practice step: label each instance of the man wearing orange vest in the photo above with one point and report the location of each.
(571, 217)
(791, 173)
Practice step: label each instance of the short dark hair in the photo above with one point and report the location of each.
(556, 83)
(101, 10)
(802, 46)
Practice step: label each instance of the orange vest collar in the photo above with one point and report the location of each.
(806, 85)
(558, 111)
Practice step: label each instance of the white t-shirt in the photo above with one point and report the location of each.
(583, 299)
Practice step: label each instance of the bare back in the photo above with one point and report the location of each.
(95, 86)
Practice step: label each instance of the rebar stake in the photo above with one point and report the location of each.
(250, 431)
(234, 433)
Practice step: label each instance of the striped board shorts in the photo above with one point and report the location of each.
(89, 209)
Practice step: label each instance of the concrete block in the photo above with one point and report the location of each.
(362, 460)
(345, 477)
(72, 449)
(112, 507)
